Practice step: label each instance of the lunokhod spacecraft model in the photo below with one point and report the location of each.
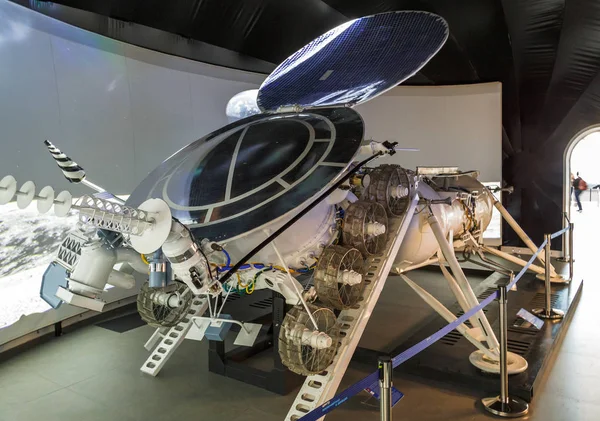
(279, 194)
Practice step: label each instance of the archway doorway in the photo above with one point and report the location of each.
(583, 156)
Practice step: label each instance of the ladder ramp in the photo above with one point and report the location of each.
(172, 338)
(319, 388)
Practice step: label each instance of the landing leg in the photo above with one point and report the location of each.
(486, 359)
(525, 238)
(557, 279)
(479, 320)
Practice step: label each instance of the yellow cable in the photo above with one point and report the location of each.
(282, 269)
(240, 284)
(144, 259)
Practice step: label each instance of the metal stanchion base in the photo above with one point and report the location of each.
(555, 279)
(554, 313)
(514, 408)
(515, 363)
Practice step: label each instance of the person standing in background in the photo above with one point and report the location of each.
(578, 186)
(571, 195)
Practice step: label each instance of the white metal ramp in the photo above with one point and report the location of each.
(319, 388)
(171, 339)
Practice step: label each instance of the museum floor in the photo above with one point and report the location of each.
(93, 373)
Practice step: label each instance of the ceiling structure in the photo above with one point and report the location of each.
(546, 53)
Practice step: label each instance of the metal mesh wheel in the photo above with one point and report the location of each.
(164, 307)
(337, 263)
(301, 358)
(365, 227)
(390, 186)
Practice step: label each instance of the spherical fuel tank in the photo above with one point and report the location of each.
(420, 244)
(482, 201)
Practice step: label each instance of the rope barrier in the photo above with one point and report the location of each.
(358, 387)
(529, 263)
(404, 356)
(559, 233)
(430, 340)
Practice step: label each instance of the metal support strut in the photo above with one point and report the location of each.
(519, 231)
(548, 312)
(504, 405)
(386, 372)
(448, 316)
(478, 320)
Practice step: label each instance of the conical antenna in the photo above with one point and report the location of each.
(74, 173)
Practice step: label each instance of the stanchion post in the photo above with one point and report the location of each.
(571, 258)
(385, 387)
(504, 405)
(566, 250)
(548, 312)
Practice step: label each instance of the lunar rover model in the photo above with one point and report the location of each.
(281, 194)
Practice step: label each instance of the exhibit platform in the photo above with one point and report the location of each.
(448, 359)
(259, 365)
(101, 378)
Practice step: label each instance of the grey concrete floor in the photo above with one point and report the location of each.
(93, 373)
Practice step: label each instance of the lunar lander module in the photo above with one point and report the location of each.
(279, 194)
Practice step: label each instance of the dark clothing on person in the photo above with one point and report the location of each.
(577, 194)
(576, 189)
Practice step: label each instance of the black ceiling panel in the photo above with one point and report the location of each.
(576, 64)
(534, 28)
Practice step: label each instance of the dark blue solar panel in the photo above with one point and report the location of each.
(356, 61)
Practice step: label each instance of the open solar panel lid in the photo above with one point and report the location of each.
(266, 167)
(355, 61)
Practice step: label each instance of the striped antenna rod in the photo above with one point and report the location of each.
(72, 172)
(75, 174)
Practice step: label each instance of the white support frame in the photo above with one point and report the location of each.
(514, 259)
(519, 231)
(479, 320)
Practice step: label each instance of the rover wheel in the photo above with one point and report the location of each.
(339, 277)
(365, 227)
(303, 349)
(390, 187)
(164, 307)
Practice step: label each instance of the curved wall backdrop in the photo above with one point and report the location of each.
(453, 126)
(116, 109)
